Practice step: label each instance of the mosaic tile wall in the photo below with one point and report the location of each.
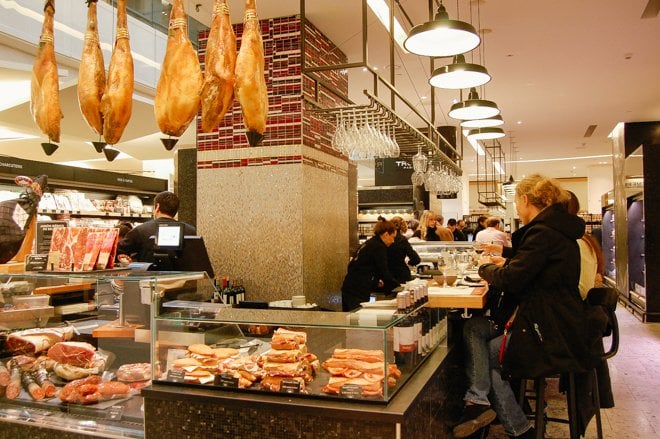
(287, 123)
(276, 216)
(264, 215)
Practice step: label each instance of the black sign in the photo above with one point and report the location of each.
(289, 386)
(36, 262)
(226, 380)
(176, 376)
(351, 391)
(15, 166)
(45, 234)
(393, 172)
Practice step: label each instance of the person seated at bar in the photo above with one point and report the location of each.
(493, 233)
(401, 255)
(481, 224)
(542, 275)
(368, 269)
(452, 225)
(427, 226)
(443, 232)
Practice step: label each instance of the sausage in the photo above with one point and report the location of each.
(4, 375)
(109, 389)
(41, 377)
(14, 386)
(34, 389)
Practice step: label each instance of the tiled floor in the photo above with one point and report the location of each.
(635, 375)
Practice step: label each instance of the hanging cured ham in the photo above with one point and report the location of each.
(250, 80)
(117, 101)
(44, 98)
(220, 62)
(180, 83)
(91, 76)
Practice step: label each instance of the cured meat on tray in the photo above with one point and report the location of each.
(33, 341)
(357, 367)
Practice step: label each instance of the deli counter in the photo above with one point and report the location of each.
(161, 355)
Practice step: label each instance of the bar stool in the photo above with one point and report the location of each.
(607, 298)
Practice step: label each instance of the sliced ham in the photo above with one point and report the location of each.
(370, 356)
(91, 74)
(117, 101)
(220, 63)
(180, 83)
(75, 353)
(45, 89)
(250, 87)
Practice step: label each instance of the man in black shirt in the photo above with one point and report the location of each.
(140, 240)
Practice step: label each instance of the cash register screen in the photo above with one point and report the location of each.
(170, 236)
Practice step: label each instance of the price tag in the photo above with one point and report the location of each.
(36, 262)
(351, 391)
(176, 376)
(289, 386)
(115, 412)
(226, 380)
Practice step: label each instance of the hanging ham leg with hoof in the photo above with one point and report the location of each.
(180, 83)
(250, 80)
(45, 89)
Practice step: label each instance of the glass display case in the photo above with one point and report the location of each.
(57, 329)
(366, 356)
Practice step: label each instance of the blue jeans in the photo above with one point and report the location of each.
(484, 375)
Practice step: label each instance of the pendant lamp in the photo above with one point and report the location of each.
(487, 133)
(442, 36)
(474, 108)
(494, 121)
(459, 74)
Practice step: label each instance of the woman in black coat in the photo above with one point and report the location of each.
(549, 333)
(368, 269)
(399, 251)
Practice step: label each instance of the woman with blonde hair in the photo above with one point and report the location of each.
(428, 224)
(549, 333)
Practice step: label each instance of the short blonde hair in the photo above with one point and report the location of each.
(541, 191)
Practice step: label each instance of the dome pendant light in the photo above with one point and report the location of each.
(459, 74)
(494, 121)
(442, 36)
(488, 133)
(474, 108)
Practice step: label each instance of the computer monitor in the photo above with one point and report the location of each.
(169, 236)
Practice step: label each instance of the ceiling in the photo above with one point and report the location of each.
(558, 67)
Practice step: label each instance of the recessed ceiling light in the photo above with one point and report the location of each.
(519, 122)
